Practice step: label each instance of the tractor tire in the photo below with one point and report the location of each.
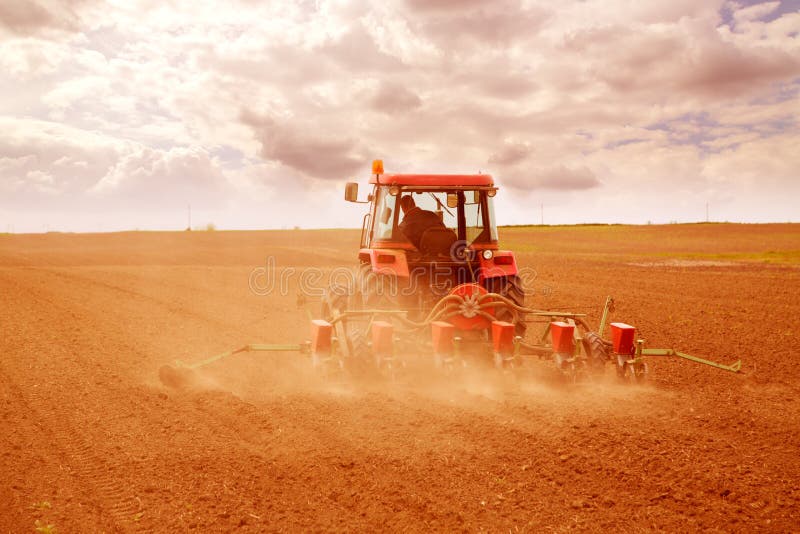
(511, 288)
(375, 291)
(360, 352)
(596, 353)
(335, 300)
(359, 346)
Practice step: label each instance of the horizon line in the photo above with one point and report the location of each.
(201, 229)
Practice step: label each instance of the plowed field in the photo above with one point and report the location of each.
(92, 441)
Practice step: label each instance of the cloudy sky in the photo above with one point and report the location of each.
(117, 115)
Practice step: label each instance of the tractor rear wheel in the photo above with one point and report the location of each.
(351, 331)
(371, 291)
(376, 291)
(511, 288)
(335, 301)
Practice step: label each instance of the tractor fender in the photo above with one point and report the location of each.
(502, 263)
(386, 261)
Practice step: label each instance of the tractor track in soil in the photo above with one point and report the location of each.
(181, 310)
(50, 401)
(260, 445)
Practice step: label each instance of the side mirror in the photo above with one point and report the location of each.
(351, 192)
(452, 200)
(386, 215)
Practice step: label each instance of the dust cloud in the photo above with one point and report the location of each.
(471, 382)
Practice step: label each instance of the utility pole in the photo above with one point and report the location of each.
(189, 225)
(706, 211)
(541, 208)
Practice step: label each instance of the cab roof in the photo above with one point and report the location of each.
(429, 180)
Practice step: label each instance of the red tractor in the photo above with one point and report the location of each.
(455, 272)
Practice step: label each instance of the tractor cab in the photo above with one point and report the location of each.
(462, 203)
(465, 210)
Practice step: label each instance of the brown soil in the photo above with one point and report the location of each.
(92, 441)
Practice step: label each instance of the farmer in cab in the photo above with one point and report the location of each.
(424, 228)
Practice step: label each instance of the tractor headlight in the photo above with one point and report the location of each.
(487, 254)
(394, 190)
(491, 192)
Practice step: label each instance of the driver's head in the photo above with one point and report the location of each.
(406, 203)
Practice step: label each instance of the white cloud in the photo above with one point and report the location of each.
(155, 179)
(557, 177)
(38, 16)
(770, 163)
(754, 12)
(392, 98)
(146, 103)
(511, 153)
(67, 159)
(311, 152)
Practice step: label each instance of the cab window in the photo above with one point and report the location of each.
(385, 206)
